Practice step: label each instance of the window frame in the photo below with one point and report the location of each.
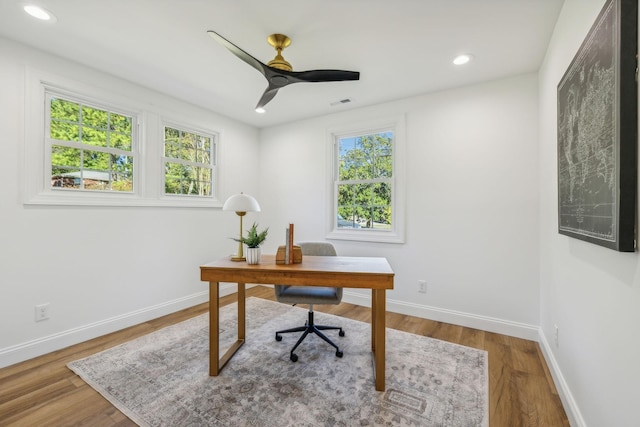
(148, 190)
(396, 233)
(50, 142)
(214, 136)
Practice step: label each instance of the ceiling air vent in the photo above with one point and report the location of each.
(342, 101)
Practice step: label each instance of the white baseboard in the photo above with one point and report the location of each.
(500, 326)
(38, 347)
(514, 329)
(44, 345)
(568, 402)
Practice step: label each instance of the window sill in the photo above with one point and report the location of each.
(125, 200)
(365, 236)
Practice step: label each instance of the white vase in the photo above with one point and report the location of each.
(253, 255)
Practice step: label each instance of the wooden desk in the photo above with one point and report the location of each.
(343, 272)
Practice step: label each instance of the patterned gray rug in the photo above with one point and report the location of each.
(161, 379)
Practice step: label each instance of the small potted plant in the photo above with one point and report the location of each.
(253, 241)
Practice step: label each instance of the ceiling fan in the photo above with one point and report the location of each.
(278, 71)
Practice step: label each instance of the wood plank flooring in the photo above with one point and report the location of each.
(44, 392)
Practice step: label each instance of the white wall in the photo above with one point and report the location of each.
(102, 268)
(591, 293)
(472, 201)
(481, 228)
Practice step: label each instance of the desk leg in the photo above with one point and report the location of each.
(378, 331)
(241, 311)
(216, 363)
(373, 320)
(214, 328)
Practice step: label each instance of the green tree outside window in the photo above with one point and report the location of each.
(365, 173)
(91, 147)
(188, 162)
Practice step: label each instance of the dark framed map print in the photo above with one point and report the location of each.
(597, 137)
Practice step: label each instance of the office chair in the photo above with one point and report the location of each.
(291, 294)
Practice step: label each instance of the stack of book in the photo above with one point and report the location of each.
(289, 253)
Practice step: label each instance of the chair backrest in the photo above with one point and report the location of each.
(318, 248)
(312, 249)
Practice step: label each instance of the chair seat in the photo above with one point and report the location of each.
(308, 295)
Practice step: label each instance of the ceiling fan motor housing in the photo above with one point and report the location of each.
(279, 42)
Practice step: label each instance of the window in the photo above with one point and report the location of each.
(366, 196)
(188, 162)
(365, 172)
(91, 148)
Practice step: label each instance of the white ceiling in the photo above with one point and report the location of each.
(401, 48)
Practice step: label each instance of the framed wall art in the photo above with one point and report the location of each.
(597, 132)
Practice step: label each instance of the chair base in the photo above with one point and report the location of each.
(311, 328)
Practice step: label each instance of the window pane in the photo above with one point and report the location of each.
(171, 150)
(122, 164)
(203, 156)
(63, 131)
(73, 123)
(64, 110)
(192, 172)
(353, 160)
(122, 182)
(365, 169)
(121, 141)
(65, 156)
(65, 178)
(95, 180)
(171, 135)
(95, 160)
(120, 123)
(95, 137)
(183, 179)
(383, 161)
(172, 185)
(94, 117)
(366, 157)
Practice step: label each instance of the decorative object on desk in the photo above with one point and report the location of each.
(253, 241)
(288, 247)
(289, 253)
(163, 378)
(241, 204)
(597, 127)
(281, 255)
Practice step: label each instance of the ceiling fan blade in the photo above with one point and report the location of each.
(326, 75)
(238, 52)
(280, 77)
(267, 96)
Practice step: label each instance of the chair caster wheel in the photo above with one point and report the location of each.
(278, 337)
(341, 333)
(293, 357)
(338, 353)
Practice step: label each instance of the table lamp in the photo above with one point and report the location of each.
(241, 204)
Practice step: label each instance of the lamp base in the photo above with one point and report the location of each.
(238, 258)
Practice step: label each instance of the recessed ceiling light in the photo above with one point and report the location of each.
(260, 110)
(38, 12)
(462, 59)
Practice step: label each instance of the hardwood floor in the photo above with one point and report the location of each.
(44, 392)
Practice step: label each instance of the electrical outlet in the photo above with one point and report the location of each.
(42, 312)
(556, 335)
(422, 286)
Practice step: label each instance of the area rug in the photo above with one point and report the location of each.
(162, 379)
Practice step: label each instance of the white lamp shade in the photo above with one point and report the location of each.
(241, 203)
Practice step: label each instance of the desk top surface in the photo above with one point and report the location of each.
(368, 269)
